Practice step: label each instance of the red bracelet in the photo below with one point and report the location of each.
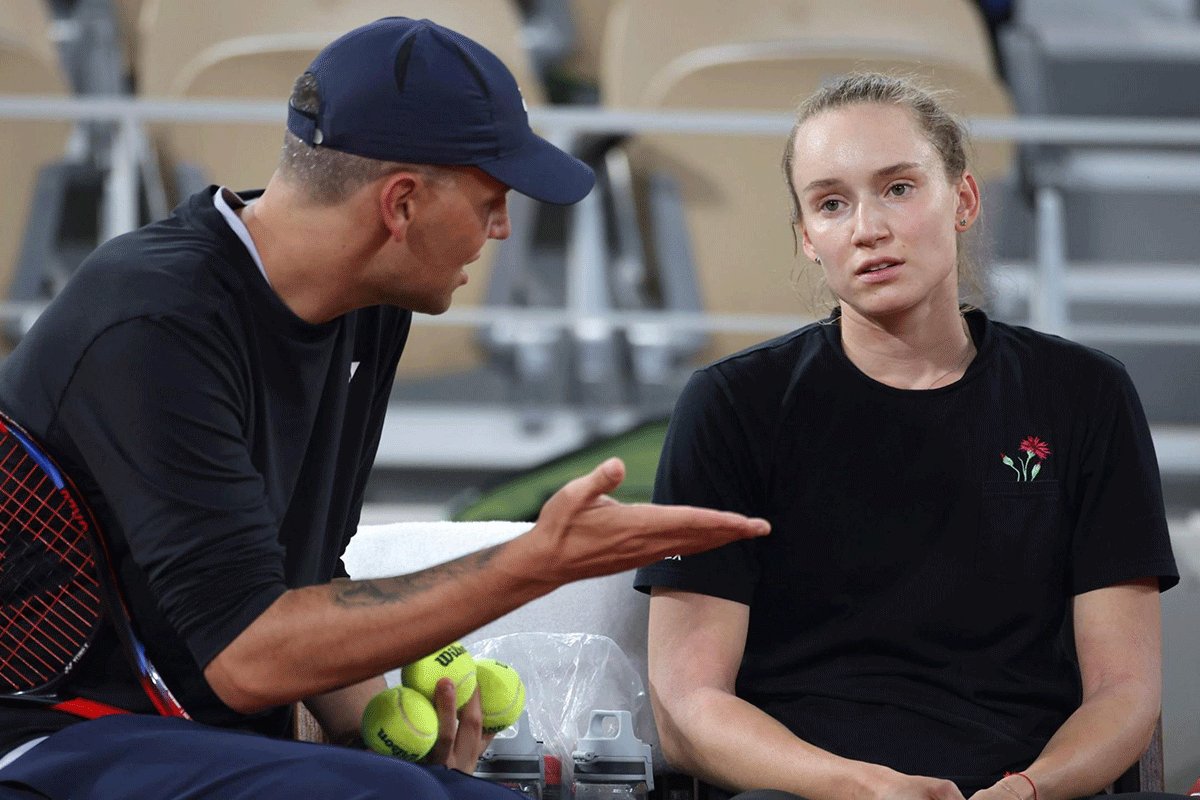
(1026, 777)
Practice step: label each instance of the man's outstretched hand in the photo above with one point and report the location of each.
(581, 532)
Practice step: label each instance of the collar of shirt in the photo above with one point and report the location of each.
(225, 201)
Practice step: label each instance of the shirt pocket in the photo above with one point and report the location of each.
(1020, 528)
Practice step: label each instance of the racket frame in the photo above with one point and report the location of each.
(112, 602)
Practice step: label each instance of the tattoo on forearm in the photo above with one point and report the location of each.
(381, 591)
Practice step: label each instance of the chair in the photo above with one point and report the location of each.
(126, 13)
(730, 188)
(1119, 64)
(234, 49)
(305, 727)
(1084, 13)
(28, 65)
(1147, 774)
(579, 70)
(644, 36)
(1106, 217)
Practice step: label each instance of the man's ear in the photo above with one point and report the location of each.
(399, 197)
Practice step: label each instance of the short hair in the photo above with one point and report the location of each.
(943, 130)
(330, 176)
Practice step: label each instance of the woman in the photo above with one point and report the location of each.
(959, 597)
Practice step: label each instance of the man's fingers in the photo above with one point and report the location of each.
(469, 744)
(586, 489)
(700, 518)
(692, 522)
(603, 479)
(444, 701)
(470, 717)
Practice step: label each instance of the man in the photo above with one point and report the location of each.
(216, 383)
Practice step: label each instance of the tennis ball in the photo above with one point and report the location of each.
(400, 722)
(501, 694)
(452, 661)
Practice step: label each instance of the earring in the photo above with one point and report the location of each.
(963, 222)
(817, 259)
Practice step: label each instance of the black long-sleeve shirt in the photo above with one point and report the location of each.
(223, 442)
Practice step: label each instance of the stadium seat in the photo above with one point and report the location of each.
(580, 69)
(1085, 13)
(231, 49)
(1117, 64)
(642, 38)
(731, 188)
(234, 49)
(29, 65)
(1109, 215)
(127, 13)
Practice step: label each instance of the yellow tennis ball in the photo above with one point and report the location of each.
(452, 661)
(501, 694)
(400, 722)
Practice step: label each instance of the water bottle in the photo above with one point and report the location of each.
(610, 762)
(514, 759)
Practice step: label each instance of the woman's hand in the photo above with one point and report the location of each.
(888, 784)
(1010, 787)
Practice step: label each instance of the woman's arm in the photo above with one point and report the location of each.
(1118, 639)
(696, 644)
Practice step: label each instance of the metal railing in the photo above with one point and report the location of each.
(1055, 288)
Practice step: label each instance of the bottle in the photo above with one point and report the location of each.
(514, 759)
(610, 762)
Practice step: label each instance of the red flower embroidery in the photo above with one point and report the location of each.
(1031, 446)
(1035, 446)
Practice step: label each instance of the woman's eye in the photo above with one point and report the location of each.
(830, 205)
(899, 189)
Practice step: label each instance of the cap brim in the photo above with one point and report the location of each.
(543, 172)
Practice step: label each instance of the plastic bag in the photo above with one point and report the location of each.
(567, 676)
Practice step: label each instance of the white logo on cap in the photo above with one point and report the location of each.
(524, 105)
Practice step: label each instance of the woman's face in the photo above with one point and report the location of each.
(878, 211)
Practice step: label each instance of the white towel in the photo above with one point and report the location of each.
(609, 606)
(377, 551)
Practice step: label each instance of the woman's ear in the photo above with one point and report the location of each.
(806, 244)
(967, 209)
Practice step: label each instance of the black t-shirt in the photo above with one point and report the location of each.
(911, 606)
(223, 442)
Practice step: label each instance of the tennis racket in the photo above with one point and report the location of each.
(56, 586)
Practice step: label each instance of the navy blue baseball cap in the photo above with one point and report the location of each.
(413, 91)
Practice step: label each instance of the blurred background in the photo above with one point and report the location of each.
(573, 337)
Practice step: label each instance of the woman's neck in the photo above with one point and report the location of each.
(917, 351)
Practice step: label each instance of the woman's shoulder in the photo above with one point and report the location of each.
(768, 357)
(1053, 353)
